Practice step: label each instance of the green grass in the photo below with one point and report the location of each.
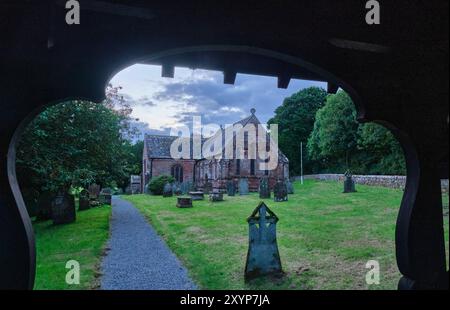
(325, 237)
(83, 241)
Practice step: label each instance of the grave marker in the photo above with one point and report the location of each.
(263, 257)
(63, 209)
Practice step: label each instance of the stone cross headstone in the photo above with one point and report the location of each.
(63, 209)
(263, 257)
(243, 186)
(280, 191)
(231, 188)
(167, 190)
(289, 186)
(264, 189)
(84, 201)
(105, 196)
(349, 184)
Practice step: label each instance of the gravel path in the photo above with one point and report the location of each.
(138, 259)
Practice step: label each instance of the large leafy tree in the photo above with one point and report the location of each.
(380, 151)
(334, 137)
(341, 143)
(76, 143)
(72, 143)
(295, 119)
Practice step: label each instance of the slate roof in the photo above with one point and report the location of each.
(158, 146)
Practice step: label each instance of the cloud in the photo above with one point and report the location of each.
(169, 102)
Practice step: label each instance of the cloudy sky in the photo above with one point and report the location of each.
(164, 103)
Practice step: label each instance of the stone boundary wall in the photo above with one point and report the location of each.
(391, 181)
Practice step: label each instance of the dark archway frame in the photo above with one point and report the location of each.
(410, 153)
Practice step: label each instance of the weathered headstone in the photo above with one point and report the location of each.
(197, 195)
(167, 190)
(105, 196)
(94, 192)
(63, 209)
(128, 190)
(135, 184)
(44, 206)
(231, 188)
(349, 184)
(176, 189)
(243, 186)
(280, 191)
(83, 202)
(186, 187)
(207, 187)
(215, 196)
(264, 189)
(290, 187)
(184, 202)
(263, 257)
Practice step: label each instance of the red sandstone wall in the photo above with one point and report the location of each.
(163, 166)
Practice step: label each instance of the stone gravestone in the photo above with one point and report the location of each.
(231, 188)
(184, 202)
(215, 196)
(186, 187)
(280, 192)
(84, 201)
(207, 187)
(263, 257)
(243, 186)
(167, 190)
(264, 189)
(176, 189)
(290, 187)
(196, 195)
(63, 209)
(94, 192)
(349, 184)
(105, 196)
(44, 206)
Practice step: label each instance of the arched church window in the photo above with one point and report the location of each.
(177, 173)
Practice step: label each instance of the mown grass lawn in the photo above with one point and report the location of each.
(325, 238)
(82, 241)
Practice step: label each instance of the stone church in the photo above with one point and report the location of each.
(157, 160)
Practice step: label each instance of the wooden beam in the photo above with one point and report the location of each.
(283, 81)
(167, 70)
(332, 88)
(229, 77)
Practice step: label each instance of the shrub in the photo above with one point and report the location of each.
(156, 184)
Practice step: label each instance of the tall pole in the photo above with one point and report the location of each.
(301, 162)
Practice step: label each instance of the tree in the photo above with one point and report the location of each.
(74, 144)
(334, 137)
(295, 119)
(383, 154)
(341, 143)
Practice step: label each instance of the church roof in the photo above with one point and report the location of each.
(158, 146)
(252, 119)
